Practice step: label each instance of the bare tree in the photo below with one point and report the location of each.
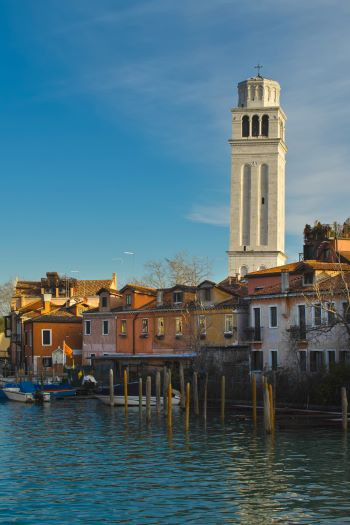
(6, 292)
(180, 269)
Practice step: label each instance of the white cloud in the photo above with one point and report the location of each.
(218, 215)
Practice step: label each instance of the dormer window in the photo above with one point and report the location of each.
(159, 297)
(177, 297)
(104, 302)
(128, 299)
(308, 278)
(206, 294)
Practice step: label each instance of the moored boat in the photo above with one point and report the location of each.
(25, 392)
(58, 391)
(133, 396)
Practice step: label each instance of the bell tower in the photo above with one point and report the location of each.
(257, 221)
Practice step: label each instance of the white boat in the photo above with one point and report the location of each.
(15, 394)
(134, 400)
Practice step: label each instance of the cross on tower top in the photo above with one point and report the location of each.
(258, 67)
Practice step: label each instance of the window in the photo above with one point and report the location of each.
(105, 327)
(346, 312)
(257, 327)
(123, 326)
(317, 315)
(206, 294)
(257, 360)
(47, 362)
(273, 316)
(178, 325)
(144, 328)
(177, 297)
(273, 359)
(302, 321)
(202, 325)
(308, 278)
(265, 126)
(330, 358)
(128, 299)
(159, 297)
(302, 360)
(243, 271)
(316, 360)
(255, 126)
(245, 126)
(46, 337)
(160, 326)
(228, 324)
(104, 302)
(330, 314)
(88, 327)
(344, 357)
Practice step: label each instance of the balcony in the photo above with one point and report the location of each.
(298, 332)
(253, 334)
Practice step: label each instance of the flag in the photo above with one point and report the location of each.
(67, 350)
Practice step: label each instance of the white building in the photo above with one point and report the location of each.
(257, 222)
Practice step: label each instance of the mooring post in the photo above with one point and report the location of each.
(223, 388)
(187, 407)
(195, 394)
(125, 392)
(111, 388)
(344, 408)
(165, 390)
(267, 411)
(272, 408)
(140, 397)
(148, 399)
(182, 385)
(170, 407)
(158, 391)
(254, 398)
(205, 400)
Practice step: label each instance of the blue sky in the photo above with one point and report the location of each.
(114, 120)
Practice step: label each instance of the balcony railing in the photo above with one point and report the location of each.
(254, 333)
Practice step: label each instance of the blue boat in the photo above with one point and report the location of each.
(58, 391)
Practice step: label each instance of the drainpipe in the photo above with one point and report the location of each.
(133, 331)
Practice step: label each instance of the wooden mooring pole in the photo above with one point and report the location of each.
(148, 399)
(165, 390)
(125, 392)
(187, 408)
(158, 392)
(195, 394)
(140, 397)
(223, 388)
(111, 388)
(267, 411)
(182, 385)
(344, 408)
(170, 407)
(272, 408)
(205, 398)
(254, 398)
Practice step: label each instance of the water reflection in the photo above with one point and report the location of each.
(81, 461)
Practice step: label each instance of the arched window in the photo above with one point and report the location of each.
(252, 92)
(243, 271)
(255, 126)
(260, 92)
(245, 126)
(265, 126)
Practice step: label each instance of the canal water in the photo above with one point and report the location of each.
(81, 462)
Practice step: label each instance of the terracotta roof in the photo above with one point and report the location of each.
(332, 283)
(138, 288)
(60, 315)
(346, 255)
(27, 288)
(300, 266)
(88, 287)
(33, 305)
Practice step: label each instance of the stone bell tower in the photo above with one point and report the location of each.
(257, 222)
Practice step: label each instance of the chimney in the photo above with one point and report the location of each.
(71, 291)
(159, 297)
(114, 281)
(284, 281)
(57, 291)
(47, 302)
